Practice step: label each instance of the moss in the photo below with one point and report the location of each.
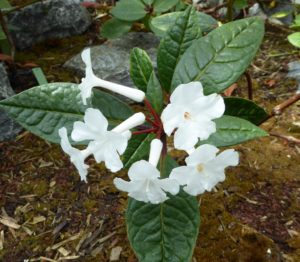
(90, 205)
(41, 188)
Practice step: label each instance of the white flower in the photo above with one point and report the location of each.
(106, 146)
(145, 183)
(191, 112)
(77, 156)
(91, 80)
(204, 169)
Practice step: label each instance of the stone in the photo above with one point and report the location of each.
(266, 13)
(111, 59)
(50, 19)
(8, 128)
(294, 72)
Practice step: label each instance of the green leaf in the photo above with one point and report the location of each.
(245, 109)
(114, 28)
(164, 232)
(111, 107)
(218, 59)
(281, 14)
(240, 4)
(206, 22)
(137, 149)
(294, 39)
(129, 10)
(148, 2)
(177, 40)
(160, 24)
(44, 109)
(233, 130)
(154, 93)
(161, 6)
(140, 68)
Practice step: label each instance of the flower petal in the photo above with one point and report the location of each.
(201, 155)
(171, 117)
(194, 187)
(182, 174)
(95, 120)
(86, 57)
(186, 137)
(211, 106)
(142, 170)
(113, 161)
(169, 185)
(93, 128)
(82, 132)
(227, 158)
(204, 128)
(123, 185)
(155, 194)
(77, 157)
(185, 94)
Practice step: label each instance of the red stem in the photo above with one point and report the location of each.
(146, 131)
(149, 120)
(152, 111)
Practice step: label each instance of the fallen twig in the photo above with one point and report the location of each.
(290, 139)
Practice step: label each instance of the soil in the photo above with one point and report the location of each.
(47, 214)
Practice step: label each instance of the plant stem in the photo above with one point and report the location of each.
(153, 112)
(230, 10)
(250, 87)
(145, 131)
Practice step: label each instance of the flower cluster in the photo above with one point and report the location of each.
(189, 115)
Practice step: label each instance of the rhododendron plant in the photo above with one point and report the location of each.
(182, 108)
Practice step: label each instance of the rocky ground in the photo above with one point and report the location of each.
(47, 214)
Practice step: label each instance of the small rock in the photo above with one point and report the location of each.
(8, 128)
(266, 12)
(50, 19)
(294, 72)
(111, 60)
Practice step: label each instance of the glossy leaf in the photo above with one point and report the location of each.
(218, 59)
(240, 4)
(137, 149)
(148, 2)
(176, 41)
(140, 68)
(160, 24)
(44, 109)
(294, 39)
(161, 6)
(114, 28)
(164, 232)
(129, 10)
(233, 130)
(154, 93)
(245, 109)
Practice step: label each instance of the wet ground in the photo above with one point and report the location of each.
(47, 214)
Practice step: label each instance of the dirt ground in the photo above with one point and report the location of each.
(47, 214)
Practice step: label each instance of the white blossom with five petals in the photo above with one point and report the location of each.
(204, 169)
(191, 112)
(106, 146)
(91, 80)
(145, 183)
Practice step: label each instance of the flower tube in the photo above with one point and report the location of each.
(91, 80)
